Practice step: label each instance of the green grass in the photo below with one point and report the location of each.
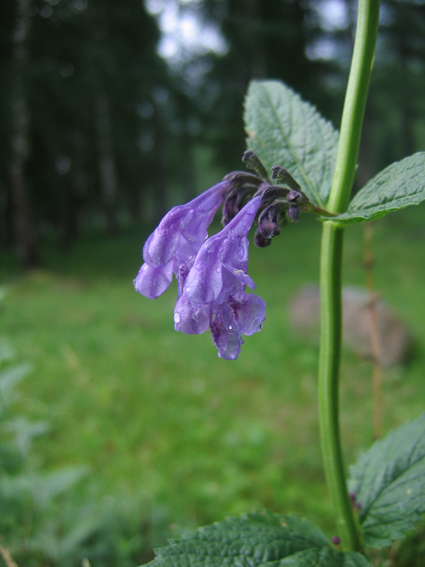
(155, 413)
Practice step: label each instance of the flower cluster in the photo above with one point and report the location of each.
(212, 273)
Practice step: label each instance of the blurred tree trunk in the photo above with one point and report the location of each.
(4, 216)
(23, 224)
(135, 204)
(159, 177)
(407, 113)
(69, 212)
(107, 170)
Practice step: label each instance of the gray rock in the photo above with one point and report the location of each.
(397, 342)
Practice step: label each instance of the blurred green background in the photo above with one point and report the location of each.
(124, 432)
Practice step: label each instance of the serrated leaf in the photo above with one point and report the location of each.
(389, 484)
(284, 130)
(254, 540)
(400, 185)
(324, 557)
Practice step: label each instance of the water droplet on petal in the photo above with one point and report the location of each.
(219, 269)
(177, 317)
(230, 327)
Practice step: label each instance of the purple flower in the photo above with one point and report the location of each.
(211, 274)
(172, 247)
(213, 294)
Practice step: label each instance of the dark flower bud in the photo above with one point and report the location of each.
(272, 192)
(242, 178)
(294, 196)
(252, 161)
(260, 241)
(352, 498)
(283, 177)
(230, 208)
(268, 228)
(278, 171)
(294, 213)
(268, 222)
(336, 540)
(243, 186)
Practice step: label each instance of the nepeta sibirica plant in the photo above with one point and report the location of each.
(312, 170)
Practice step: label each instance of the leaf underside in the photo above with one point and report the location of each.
(284, 130)
(256, 540)
(389, 484)
(398, 186)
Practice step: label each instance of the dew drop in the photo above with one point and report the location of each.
(219, 269)
(230, 327)
(177, 317)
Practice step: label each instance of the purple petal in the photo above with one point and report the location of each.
(190, 318)
(162, 244)
(231, 285)
(205, 281)
(152, 282)
(225, 334)
(230, 248)
(241, 276)
(249, 312)
(241, 224)
(211, 199)
(190, 220)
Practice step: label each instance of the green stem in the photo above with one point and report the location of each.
(330, 275)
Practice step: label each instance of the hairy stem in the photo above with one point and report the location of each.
(330, 274)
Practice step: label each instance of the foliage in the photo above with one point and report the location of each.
(400, 185)
(283, 129)
(260, 540)
(42, 521)
(388, 484)
(411, 551)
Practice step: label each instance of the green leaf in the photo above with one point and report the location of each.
(249, 541)
(389, 484)
(324, 557)
(398, 186)
(284, 130)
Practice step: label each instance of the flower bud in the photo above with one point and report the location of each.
(230, 208)
(294, 196)
(260, 241)
(293, 213)
(252, 161)
(283, 177)
(268, 222)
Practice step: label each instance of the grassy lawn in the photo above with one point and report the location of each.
(154, 413)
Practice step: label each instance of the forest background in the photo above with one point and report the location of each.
(111, 113)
